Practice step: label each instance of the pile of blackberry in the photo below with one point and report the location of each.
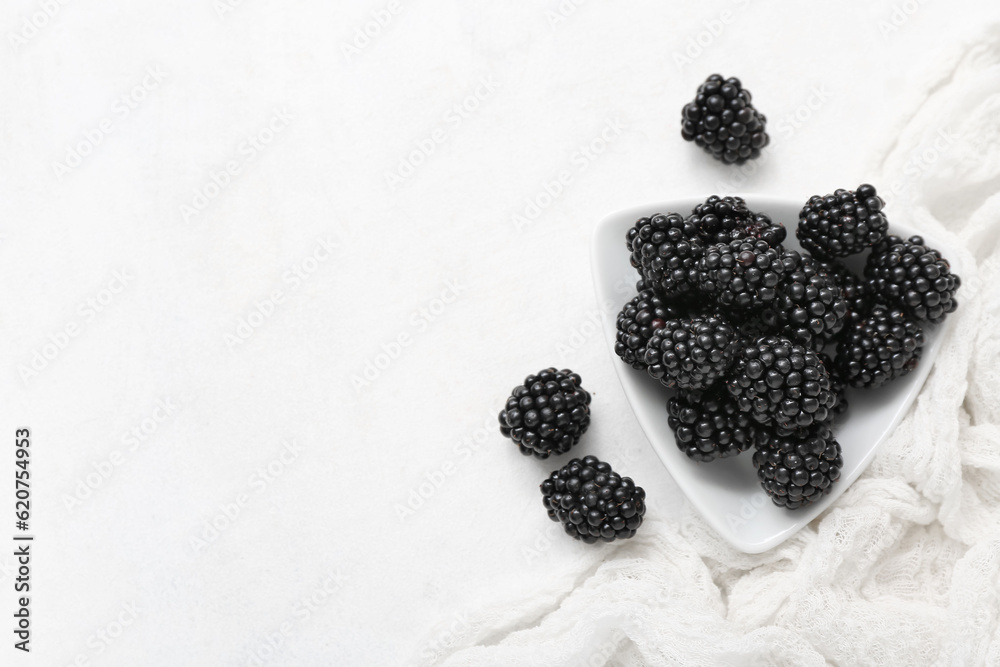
(761, 341)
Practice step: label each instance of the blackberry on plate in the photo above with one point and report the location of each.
(594, 502)
(725, 219)
(547, 414)
(724, 122)
(842, 224)
(691, 352)
(810, 307)
(913, 276)
(638, 320)
(797, 467)
(665, 250)
(707, 425)
(852, 288)
(742, 275)
(837, 384)
(879, 348)
(779, 382)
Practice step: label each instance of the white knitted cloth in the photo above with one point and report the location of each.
(903, 569)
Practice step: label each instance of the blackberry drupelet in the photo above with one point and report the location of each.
(913, 276)
(741, 275)
(722, 120)
(665, 250)
(879, 348)
(708, 425)
(638, 320)
(842, 224)
(594, 502)
(692, 352)
(725, 219)
(810, 308)
(852, 287)
(797, 467)
(779, 382)
(547, 414)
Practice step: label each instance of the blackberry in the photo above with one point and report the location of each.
(842, 224)
(837, 384)
(547, 414)
(691, 352)
(879, 348)
(594, 502)
(779, 382)
(851, 287)
(913, 276)
(638, 320)
(742, 275)
(665, 249)
(707, 425)
(797, 467)
(810, 307)
(725, 219)
(722, 120)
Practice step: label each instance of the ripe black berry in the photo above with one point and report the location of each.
(852, 288)
(722, 120)
(843, 223)
(810, 307)
(594, 502)
(778, 381)
(879, 348)
(708, 425)
(725, 219)
(691, 352)
(797, 467)
(913, 276)
(547, 414)
(638, 320)
(665, 250)
(742, 275)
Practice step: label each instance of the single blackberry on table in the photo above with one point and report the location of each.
(725, 219)
(779, 382)
(913, 276)
(742, 275)
(594, 502)
(547, 414)
(724, 122)
(797, 467)
(810, 307)
(842, 224)
(665, 249)
(691, 352)
(837, 384)
(708, 425)
(638, 320)
(852, 287)
(879, 348)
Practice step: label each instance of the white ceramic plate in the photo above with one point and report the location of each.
(726, 492)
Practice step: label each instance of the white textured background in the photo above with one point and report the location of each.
(319, 557)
